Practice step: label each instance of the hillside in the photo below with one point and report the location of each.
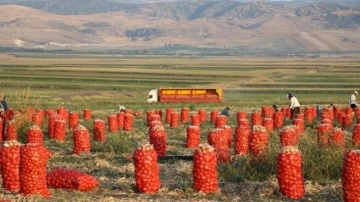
(88, 24)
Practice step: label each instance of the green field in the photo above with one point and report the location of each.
(103, 81)
(100, 82)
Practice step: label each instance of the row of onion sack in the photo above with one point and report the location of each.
(205, 175)
(61, 119)
(81, 135)
(249, 139)
(268, 117)
(57, 127)
(253, 139)
(121, 120)
(62, 111)
(23, 170)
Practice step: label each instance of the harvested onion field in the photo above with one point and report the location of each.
(100, 83)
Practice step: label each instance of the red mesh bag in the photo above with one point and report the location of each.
(323, 134)
(296, 129)
(202, 115)
(87, 114)
(325, 114)
(10, 161)
(34, 135)
(73, 120)
(184, 115)
(155, 117)
(278, 120)
(149, 115)
(340, 117)
(289, 173)
(195, 120)
(64, 113)
(309, 115)
(49, 112)
(347, 121)
(120, 120)
(174, 121)
(205, 175)
(350, 178)
(159, 112)
(356, 135)
(192, 136)
(242, 135)
(60, 130)
(213, 115)
(81, 139)
(259, 140)
(36, 119)
(243, 123)
(128, 122)
(267, 111)
(220, 121)
(218, 139)
(99, 130)
(112, 123)
(288, 136)
(128, 111)
(228, 133)
(11, 131)
(357, 113)
(349, 111)
(147, 172)
(223, 154)
(29, 112)
(337, 139)
(256, 118)
(33, 160)
(241, 115)
(9, 114)
(168, 114)
(327, 121)
(337, 110)
(155, 123)
(299, 116)
(158, 139)
(51, 124)
(308, 118)
(300, 124)
(60, 178)
(268, 123)
(42, 114)
(330, 111)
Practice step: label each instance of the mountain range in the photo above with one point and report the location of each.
(111, 24)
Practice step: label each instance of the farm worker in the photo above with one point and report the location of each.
(318, 110)
(276, 108)
(3, 110)
(121, 108)
(225, 111)
(353, 100)
(294, 105)
(3, 105)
